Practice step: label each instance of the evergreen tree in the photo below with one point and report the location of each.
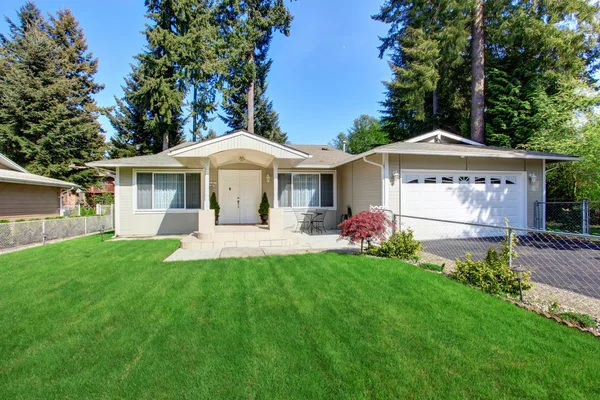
(212, 134)
(427, 41)
(162, 79)
(48, 118)
(132, 135)
(339, 142)
(266, 118)
(249, 26)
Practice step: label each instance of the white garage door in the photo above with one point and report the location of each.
(481, 198)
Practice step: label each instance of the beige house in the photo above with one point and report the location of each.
(25, 196)
(437, 175)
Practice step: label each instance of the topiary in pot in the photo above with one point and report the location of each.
(263, 209)
(214, 205)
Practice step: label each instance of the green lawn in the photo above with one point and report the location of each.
(109, 320)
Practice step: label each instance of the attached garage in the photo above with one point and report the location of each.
(473, 197)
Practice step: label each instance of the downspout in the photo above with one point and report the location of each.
(382, 166)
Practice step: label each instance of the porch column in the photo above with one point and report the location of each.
(206, 184)
(275, 184)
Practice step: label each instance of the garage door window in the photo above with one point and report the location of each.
(460, 179)
(511, 180)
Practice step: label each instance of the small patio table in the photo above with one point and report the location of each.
(312, 216)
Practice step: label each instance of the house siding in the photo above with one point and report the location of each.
(359, 185)
(19, 201)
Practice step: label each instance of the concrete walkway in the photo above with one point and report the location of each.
(307, 244)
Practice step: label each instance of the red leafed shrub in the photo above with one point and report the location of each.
(364, 225)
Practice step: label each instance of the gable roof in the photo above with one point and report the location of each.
(442, 136)
(18, 174)
(239, 139)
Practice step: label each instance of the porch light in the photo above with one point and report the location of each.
(268, 177)
(533, 178)
(518, 273)
(395, 177)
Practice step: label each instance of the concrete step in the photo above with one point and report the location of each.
(192, 242)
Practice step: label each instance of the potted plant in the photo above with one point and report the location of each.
(263, 209)
(214, 205)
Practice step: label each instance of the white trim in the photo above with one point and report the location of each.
(153, 210)
(386, 176)
(11, 164)
(275, 184)
(206, 177)
(314, 172)
(118, 202)
(456, 154)
(440, 132)
(234, 135)
(522, 174)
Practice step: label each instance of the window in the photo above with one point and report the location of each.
(430, 179)
(511, 180)
(480, 180)
(164, 191)
(412, 179)
(192, 191)
(305, 190)
(495, 180)
(447, 179)
(326, 190)
(144, 191)
(463, 179)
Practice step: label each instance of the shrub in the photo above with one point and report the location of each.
(57, 217)
(366, 225)
(263, 209)
(583, 320)
(19, 220)
(214, 205)
(35, 219)
(401, 245)
(433, 267)
(4, 221)
(492, 274)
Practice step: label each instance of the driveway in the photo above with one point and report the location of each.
(565, 263)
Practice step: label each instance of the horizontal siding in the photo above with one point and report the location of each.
(28, 201)
(239, 142)
(366, 185)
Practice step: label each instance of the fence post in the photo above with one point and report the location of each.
(585, 217)
(85, 225)
(43, 231)
(510, 247)
(536, 214)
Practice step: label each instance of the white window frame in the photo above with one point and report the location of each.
(294, 172)
(153, 210)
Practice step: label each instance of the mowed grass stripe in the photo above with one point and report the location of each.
(89, 319)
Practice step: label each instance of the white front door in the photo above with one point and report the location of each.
(239, 196)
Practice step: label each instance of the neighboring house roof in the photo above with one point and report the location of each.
(436, 143)
(18, 174)
(11, 164)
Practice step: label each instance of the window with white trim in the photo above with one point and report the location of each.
(168, 191)
(306, 190)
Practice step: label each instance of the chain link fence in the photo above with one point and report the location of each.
(576, 217)
(18, 234)
(564, 266)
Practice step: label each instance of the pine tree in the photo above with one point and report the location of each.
(132, 135)
(266, 118)
(48, 118)
(427, 42)
(249, 26)
(162, 79)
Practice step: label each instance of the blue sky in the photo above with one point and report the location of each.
(324, 75)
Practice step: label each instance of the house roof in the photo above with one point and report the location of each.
(436, 143)
(32, 179)
(322, 155)
(11, 164)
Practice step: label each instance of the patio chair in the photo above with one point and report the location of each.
(319, 222)
(301, 221)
